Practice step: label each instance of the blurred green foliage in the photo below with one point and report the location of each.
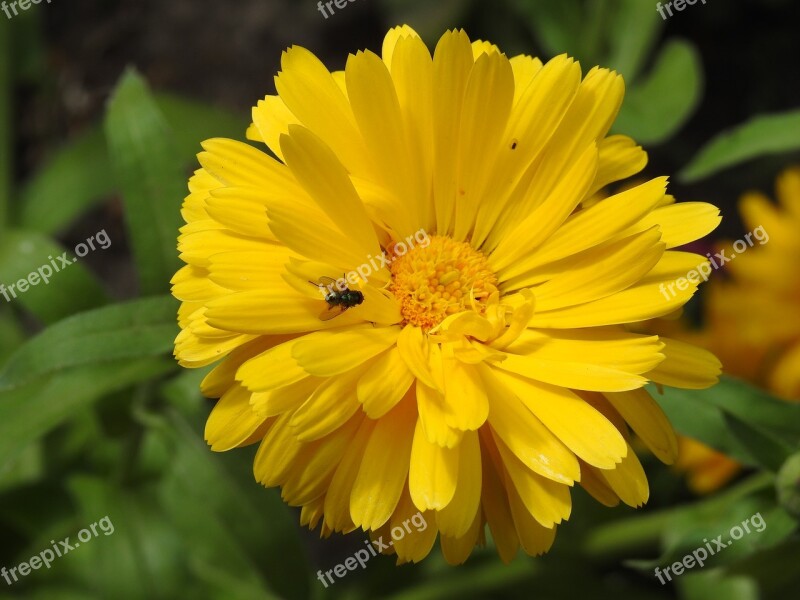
(96, 418)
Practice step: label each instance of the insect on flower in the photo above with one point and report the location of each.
(338, 297)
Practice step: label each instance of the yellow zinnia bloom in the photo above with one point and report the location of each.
(483, 363)
(753, 320)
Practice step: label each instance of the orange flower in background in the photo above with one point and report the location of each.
(753, 319)
(473, 376)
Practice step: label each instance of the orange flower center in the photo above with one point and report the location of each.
(440, 279)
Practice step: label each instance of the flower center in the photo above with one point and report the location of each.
(441, 279)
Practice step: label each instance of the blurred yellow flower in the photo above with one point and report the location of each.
(474, 377)
(753, 319)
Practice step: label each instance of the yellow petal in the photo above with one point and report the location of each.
(590, 359)
(628, 480)
(392, 37)
(337, 497)
(619, 159)
(271, 119)
(271, 369)
(324, 178)
(486, 106)
(456, 550)
(272, 311)
(526, 436)
(638, 303)
(578, 425)
(413, 534)
(377, 112)
(682, 222)
(276, 454)
(534, 118)
(686, 366)
(232, 420)
(414, 349)
(383, 474)
(312, 95)
(284, 399)
(327, 353)
(525, 69)
(433, 416)
(547, 501)
(594, 225)
(532, 230)
(466, 401)
(597, 487)
(316, 463)
(494, 502)
(533, 537)
(649, 422)
(587, 120)
(412, 73)
(384, 384)
(242, 210)
(452, 63)
(329, 407)
(433, 472)
(458, 517)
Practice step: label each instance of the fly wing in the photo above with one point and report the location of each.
(333, 310)
(327, 282)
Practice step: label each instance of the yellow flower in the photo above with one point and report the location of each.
(753, 320)
(706, 469)
(483, 363)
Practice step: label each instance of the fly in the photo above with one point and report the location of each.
(338, 300)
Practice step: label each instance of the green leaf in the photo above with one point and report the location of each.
(429, 19)
(26, 468)
(255, 534)
(478, 582)
(183, 390)
(11, 334)
(30, 412)
(67, 291)
(775, 568)
(140, 558)
(767, 451)
(6, 141)
(79, 174)
(660, 104)
(193, 122)
(71, 182)
(138, 329)
(558, 26)
(760, 136)
(735, 418)
(716, 584)
(632, 35)
(152, 179)
(752, 405)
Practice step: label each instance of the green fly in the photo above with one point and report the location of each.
(338, 299)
